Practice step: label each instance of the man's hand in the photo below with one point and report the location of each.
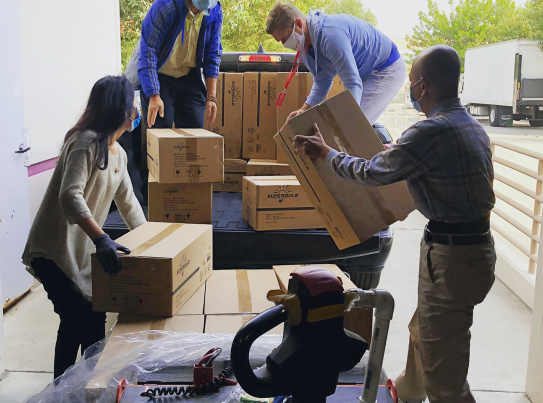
(210, 115)
(155, 106)
(294, 114)
(312, 146)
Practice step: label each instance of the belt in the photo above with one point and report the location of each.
(457, 239)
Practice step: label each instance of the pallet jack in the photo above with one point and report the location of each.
(306, 366)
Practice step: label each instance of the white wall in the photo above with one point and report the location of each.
(67, 45)
(534, 382)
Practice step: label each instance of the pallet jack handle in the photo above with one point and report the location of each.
(383, 303)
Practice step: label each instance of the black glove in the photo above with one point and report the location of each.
(106, 252)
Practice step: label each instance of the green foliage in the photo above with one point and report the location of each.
(352, 7)
(476, 22)
(132, 14)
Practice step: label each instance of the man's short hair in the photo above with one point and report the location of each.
(441, 69)
(282, 16)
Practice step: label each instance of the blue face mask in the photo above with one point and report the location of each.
(135, 122)
(204, 4)
(416, 104)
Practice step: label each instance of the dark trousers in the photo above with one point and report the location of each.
(184, 104)
(79, 325)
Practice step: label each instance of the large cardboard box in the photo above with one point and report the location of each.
(337, 87)
(359, 321)
(229, 121)
(277, 203)
(230, 324)
(185, 155)
(259, 115)
(180, 202)
(297, 93)
(168, 264)
(352, 213)
(239, 291)
(267, 168)
(117, 351)
(234, 171)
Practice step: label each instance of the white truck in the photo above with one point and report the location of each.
(504, 81)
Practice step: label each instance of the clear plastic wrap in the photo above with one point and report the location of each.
(95, 378)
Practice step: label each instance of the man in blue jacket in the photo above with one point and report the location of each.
(368, 62)
(179, 40)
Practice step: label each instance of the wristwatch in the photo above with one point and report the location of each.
(211, 98)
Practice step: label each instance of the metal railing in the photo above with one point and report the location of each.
(396, 118)
(517, 216)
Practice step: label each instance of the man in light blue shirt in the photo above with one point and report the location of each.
(368, 62)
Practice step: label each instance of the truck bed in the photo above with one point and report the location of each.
(237, 246)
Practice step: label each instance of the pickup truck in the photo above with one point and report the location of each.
(237, 246)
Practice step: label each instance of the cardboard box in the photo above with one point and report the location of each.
(239, 291)
(116, 354)
(230, 112)
(352, 213)
(168, 264)
(277, 203)
(358, 321)
(180, 202)
(259, 115)
(297, 93)
(267, 168)
(234, 171)
(230, 324)
(185, 155)
(337, 87)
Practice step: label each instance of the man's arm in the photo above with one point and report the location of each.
(213, 48)
(411, 157)
(211, 105)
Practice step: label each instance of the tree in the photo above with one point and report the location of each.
(352, 7)
(132, 14)
(472, 23)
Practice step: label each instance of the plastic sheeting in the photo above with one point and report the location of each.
(139, 353)
(147, 352)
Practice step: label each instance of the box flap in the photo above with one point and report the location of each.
(239, 291)
(201, 133)
(161, 240)
(230, 324)
(273, 180)
(267, 162)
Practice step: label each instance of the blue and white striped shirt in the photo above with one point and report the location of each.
(446, 161)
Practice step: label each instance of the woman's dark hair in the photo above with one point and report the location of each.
(110, 104)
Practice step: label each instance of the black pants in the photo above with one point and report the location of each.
(79, 325)
(184, 103)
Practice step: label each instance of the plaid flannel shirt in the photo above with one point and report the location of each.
(445, 160)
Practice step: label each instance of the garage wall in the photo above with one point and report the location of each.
(67, 45)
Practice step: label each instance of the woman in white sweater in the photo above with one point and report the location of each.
(91, 173)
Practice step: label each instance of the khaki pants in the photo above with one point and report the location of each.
(452, 280)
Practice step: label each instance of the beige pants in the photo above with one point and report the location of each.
(452, 280)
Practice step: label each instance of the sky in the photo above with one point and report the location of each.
(396, 18)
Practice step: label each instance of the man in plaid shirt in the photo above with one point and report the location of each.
(447, 164)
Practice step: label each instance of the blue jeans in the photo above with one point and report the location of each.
(380, 88)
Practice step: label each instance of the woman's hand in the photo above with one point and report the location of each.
(106, 252)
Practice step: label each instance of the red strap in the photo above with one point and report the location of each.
(297, 60)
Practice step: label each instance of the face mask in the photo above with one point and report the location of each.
(135, 122)
(295, 41)
(204, 4)
(416, 104)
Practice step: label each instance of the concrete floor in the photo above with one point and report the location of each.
(500, 335)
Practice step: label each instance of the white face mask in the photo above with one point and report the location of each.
(295, 40)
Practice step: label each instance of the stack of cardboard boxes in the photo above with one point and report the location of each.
(183, 165)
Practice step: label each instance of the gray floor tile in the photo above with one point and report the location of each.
(18, 387)
(500, 397)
